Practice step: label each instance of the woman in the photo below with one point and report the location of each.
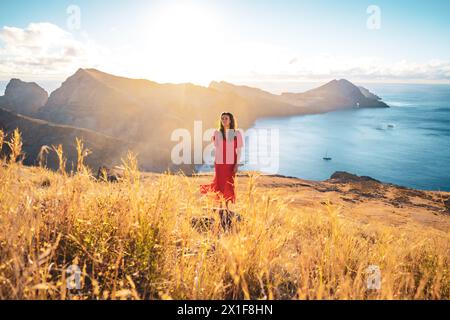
(228, 143)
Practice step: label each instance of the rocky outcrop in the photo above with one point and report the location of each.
(83, 101)
(369, 94)
(109, 174)
(345, 177)
(24, 97)
(337, 94)
(447, 205)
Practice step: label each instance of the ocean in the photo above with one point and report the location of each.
(407, 144)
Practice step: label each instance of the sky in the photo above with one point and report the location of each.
(200, 41)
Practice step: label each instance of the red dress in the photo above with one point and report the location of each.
(223, 181)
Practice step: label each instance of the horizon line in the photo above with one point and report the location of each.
(250, 82)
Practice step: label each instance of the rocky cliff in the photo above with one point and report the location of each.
(23, 97)
(337, 94)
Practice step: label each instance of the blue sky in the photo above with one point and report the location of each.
(252, 40)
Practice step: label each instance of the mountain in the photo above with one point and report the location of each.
(144, 116)
(23, 97)
(261, 103)
(368, 94)
(337, 94)
(145, 112)
(94, 100)
(135, 110)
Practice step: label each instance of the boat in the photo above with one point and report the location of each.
(327, 158)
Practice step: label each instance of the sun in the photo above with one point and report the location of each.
(184, 24)
(186, 41)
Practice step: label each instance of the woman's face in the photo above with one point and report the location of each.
(226, 121)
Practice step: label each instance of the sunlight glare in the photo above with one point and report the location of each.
(186, 43)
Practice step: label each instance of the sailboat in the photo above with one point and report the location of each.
(327, 158)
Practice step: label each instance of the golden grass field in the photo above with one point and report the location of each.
(134, 240)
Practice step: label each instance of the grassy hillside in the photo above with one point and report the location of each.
(106, 150)
(134, 240)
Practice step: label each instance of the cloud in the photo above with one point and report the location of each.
(42, 49)
(369, 68)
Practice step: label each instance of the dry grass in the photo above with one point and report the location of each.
(134, 240)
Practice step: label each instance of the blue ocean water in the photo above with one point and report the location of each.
(407, 144)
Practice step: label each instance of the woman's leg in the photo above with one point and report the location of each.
(227, 205)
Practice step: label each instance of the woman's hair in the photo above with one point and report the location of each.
(233, 123)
